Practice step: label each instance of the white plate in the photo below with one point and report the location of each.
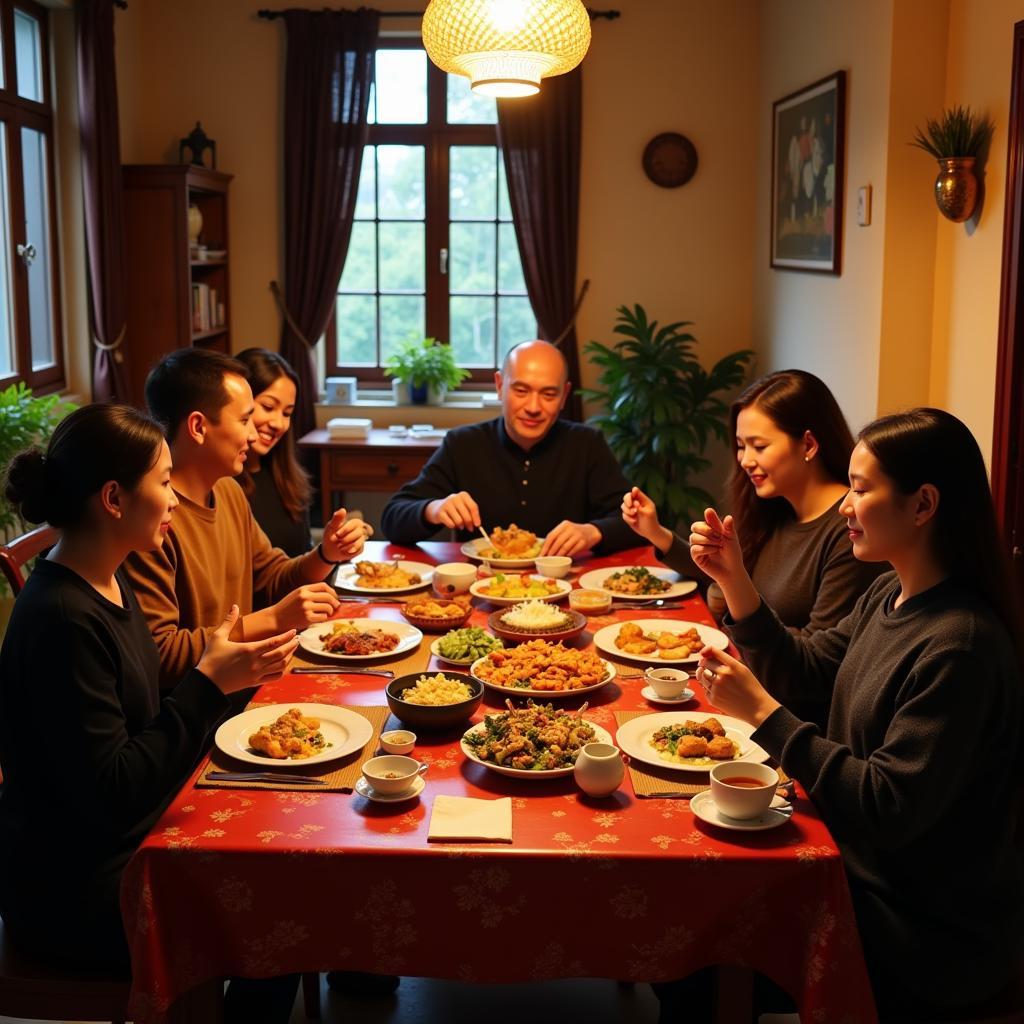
(650, 694)
(632, 737)
(345, 578)
(594, 580)
(409, 638)
(604, 639)
(471, 549)
(600, 736)
(516, 691)
(343, 729)
(705, 808)
(476, 589)
(436, 651)
(363, 788)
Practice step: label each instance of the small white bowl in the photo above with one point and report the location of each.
(557, 566)
(392, 773)
(398, 741)
(667, 683)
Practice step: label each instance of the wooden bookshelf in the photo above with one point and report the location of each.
(161, 268)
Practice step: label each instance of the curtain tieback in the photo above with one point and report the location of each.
(289, 319)
(114, 345)
(575, 310)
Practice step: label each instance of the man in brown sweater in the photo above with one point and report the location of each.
(215, 554)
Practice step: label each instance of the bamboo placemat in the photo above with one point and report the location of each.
(337, 777)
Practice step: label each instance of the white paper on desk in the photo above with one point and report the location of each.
(463, 819)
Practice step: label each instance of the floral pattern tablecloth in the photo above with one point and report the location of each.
(240, 882)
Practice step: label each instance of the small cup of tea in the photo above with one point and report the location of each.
(454, 578)
(743, 790)
(391, 773)
(667, 683)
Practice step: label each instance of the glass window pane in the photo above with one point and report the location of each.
(400, 177)
(28, 56)
(510, 269)
(471, 268)
(401, 317)
(516, 323)
(401, 87)
(466, 106)
(366, 196)
(471, 184)
(401, 257)
(6, 247)
(360, 273)
(357, 330)
(504, 207)
(37, 233)
(472, 327)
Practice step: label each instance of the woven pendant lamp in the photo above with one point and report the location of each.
(505, 47)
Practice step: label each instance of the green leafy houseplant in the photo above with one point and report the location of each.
(661, 408)
(956, 133)
(425, 363)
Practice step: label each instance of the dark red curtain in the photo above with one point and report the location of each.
(328, 74)
(540, 143)
(101, 185)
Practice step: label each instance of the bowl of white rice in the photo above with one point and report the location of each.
(434, 700)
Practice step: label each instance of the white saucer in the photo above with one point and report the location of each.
(650, 693)
(705, 808)
(363, 788)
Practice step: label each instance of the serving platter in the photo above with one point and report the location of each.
(604, 639)
(600, 736)
(576, 624)
(409, 638)
(478, 589)
(472, 548)
(595, 580)
(346, 578)
(517, 691)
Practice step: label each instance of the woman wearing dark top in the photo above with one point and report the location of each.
(913, 759)
(91, 754)
(792, 450)
(273, 480)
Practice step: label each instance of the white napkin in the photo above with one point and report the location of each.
(460, 818)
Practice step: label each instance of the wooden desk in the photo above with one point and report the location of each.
(381, 463)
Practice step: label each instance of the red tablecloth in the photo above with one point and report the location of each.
(242, 882)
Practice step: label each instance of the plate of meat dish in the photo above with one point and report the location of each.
(638, 582)
(665, 641)
(397, 577)
(688, 741)
(359, 639)
(277, 734)
(543, 669)
(509, 548)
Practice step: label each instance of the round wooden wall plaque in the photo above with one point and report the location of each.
(670, 160)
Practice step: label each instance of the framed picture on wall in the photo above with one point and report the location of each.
(807, 177)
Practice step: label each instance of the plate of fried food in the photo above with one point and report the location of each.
(397, 577)
(293, 733)
(508, 548)
(531, 619)
(511, 588)
(359, 639)
(437, 614)
(542, 668)
(638, 582)
(660, 640)
(534, 742)
(691, 741)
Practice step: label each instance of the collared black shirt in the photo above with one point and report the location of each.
(569, 474)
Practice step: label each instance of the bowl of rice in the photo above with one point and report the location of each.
(438, 700)
(533, 619)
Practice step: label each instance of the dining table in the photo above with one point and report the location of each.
(261, 882)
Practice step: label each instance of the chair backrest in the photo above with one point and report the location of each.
(15, 553)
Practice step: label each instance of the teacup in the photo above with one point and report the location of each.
(398, 741)
(392, 773)
(556, 566)
(744, 789)
(667, 683)
(454, 578)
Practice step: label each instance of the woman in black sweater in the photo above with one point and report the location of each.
(912, 748)
(91, 754)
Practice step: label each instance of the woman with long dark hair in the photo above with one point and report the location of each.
(78, 683)
(274, 481)
(792, 450)
(914, 756)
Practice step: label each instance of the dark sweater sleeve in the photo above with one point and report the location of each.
(678, 557)
(402, 519)
(606, 486)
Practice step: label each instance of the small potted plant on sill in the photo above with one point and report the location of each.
(955, 140)
(426, 368)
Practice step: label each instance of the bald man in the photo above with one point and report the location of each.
(527, 467)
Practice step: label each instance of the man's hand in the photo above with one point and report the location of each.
(343, 537)
(571, 538)
(458, 512)
(641, 514)
(314, 602)
(233, 666)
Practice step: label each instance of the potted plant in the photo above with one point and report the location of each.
(661, 408)
(955, 140)
(427, 368)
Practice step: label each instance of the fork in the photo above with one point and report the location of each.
(342, 670)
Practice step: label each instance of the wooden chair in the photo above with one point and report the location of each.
(30, 988)
(17, 552)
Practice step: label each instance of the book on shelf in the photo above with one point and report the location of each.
(208, 312)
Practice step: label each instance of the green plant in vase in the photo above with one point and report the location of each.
(427, 366)
(661, 408)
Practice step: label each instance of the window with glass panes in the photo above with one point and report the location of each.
(433, 250)
(30, 346)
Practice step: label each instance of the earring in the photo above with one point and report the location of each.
(807, 458)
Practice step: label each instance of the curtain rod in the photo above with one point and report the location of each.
(272, 15)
